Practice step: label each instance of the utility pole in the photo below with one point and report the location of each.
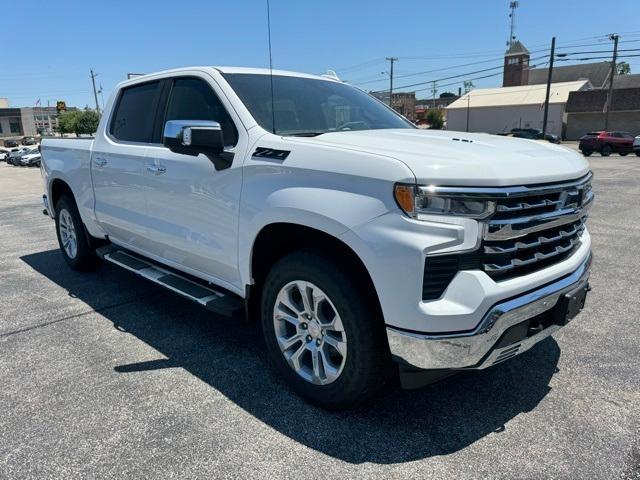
(95, 93)
(613, 37)
(468, 108)
(546, 100)
(391, 60)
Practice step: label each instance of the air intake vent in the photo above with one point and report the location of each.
(440, 270)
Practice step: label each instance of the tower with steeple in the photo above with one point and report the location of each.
(516, 65)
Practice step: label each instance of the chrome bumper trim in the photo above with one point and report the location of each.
(474, 349)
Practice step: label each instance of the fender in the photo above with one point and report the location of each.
(74, 171)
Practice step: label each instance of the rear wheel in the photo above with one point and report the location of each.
(606, 150)
(321, 334)
(72, 237)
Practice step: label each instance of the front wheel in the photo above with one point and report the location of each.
(72, 238)
(321, 334)
(586, 152)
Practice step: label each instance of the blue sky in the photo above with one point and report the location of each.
(55, 43)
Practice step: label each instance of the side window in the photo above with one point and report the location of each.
(135, 113)
(193, 99)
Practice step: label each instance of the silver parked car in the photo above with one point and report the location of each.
(636, 145)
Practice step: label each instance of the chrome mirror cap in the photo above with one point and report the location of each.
(182, 130)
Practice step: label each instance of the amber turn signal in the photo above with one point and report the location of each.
(405, 196)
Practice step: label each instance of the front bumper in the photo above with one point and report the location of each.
(486, 345)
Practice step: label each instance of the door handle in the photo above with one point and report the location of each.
(156, 169)
(100, 161)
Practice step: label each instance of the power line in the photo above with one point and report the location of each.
(584, 59)
(451, 67)
(360, 65)
(369, 80)
(466, 74)
(597, 51)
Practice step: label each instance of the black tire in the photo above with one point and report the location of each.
(85, 258)
(638, 153)
(367, 363)
(623, 154)
(606, 150)
(587, 153)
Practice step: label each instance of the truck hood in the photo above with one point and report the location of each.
(465, 159)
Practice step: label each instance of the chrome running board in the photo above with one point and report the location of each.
(206, 295)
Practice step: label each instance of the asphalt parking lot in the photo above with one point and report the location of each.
(104, 375)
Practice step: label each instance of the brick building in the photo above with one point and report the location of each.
(403, 102)
(586, 110)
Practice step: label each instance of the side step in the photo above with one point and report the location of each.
(214, 300)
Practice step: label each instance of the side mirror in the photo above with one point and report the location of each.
(193, 137)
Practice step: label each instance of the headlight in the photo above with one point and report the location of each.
(419, 200)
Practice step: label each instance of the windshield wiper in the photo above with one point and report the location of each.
(303, 134)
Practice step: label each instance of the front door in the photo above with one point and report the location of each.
(192, 207)
(118, 165)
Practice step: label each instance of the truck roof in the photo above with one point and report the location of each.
(230, 70)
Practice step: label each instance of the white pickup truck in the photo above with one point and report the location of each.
(354, 237)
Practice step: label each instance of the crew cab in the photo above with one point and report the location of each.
(606, 143)
(363, 246)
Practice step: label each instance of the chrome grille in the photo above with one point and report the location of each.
(531, 228)
(534, 227)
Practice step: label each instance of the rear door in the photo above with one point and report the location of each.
(192, 207)
(118, 165)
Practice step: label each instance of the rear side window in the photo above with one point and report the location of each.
(135, 113)
(193, 99)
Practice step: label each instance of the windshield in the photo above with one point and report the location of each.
(308, 106)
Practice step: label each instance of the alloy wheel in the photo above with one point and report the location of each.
(68, 235)
(309, 332)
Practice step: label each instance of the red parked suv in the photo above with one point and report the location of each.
(606, 143)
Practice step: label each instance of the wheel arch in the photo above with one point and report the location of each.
(57, 189)
(276, 240)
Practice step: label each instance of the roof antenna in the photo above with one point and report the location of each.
(273, 110)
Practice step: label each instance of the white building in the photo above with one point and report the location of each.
(497, 110)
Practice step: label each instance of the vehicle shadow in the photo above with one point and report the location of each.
(399, 426)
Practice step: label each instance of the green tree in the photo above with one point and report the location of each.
(80, 122)
(67, 121)
(435, 119)
(86, 122)
(623, 68)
